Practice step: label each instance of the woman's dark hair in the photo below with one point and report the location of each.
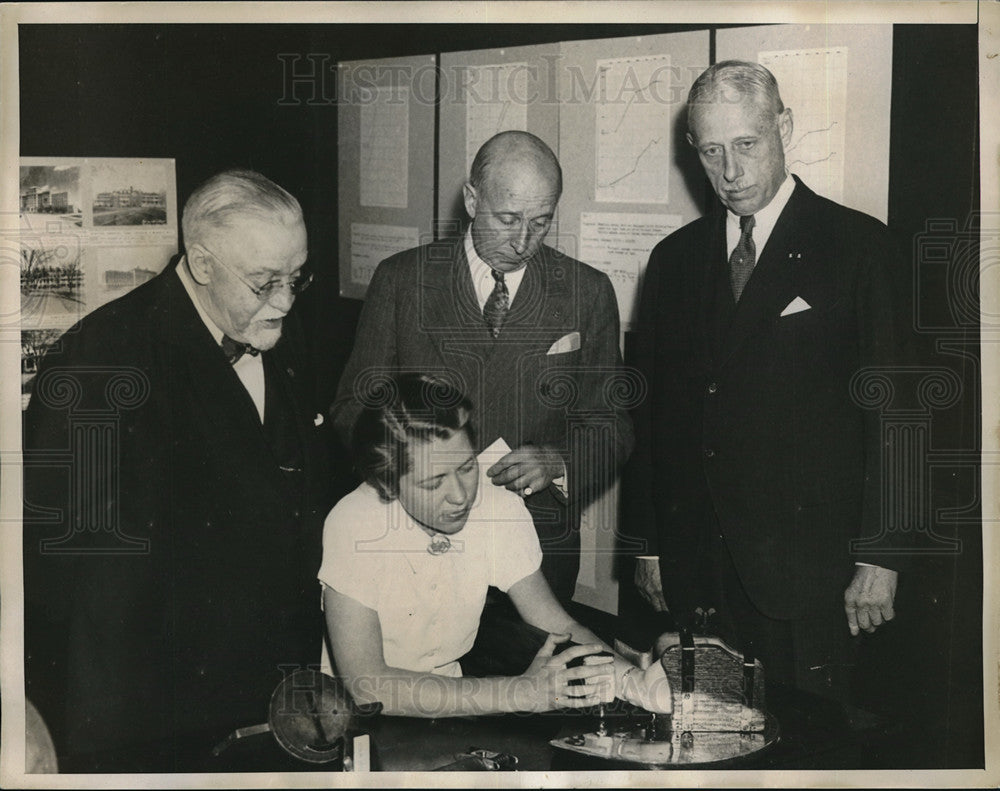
(413, 408)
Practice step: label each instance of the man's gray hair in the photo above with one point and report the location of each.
(742, 77)
(235, 194)
(513, 143)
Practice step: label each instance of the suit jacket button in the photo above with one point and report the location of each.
(712, 388)
(709, 453)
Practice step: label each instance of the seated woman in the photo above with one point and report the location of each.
(407, 560)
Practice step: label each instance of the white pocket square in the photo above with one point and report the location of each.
(797, 305)
(567, 343)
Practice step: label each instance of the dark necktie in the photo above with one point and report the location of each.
(741, 262)
(234, 350)
(497, 305)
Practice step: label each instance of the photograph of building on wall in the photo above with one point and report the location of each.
(50, 193)
(34, 345)
(91, 230)
(51, 281)
(113, 270)
(129, 194)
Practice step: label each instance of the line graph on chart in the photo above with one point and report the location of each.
(496, 101)
(632, 128)
(813, 82)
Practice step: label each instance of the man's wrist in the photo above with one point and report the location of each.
(621, 692)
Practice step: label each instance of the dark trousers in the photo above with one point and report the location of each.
(814, 653)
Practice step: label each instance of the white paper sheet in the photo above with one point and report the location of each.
(496, 100)
(385, 148)
(619, 245)
(371, 243)
(633, 130)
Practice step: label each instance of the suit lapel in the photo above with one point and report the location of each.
(537, 297)
(716, 303)
(449, 314)
(200, 372)
(543, 310)
(773, 283)
(288, 376)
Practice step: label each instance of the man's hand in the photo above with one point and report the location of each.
(868, 599)
(527, 469)
(647, 580)
(648, 689)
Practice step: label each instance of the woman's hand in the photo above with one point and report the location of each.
(545, 685)
(648, 689)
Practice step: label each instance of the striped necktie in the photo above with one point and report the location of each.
(497, 304)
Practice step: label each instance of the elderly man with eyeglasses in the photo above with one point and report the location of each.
(173, 518)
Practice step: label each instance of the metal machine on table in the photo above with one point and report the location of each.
(719, 713)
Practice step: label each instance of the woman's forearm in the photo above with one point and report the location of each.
(410, 694)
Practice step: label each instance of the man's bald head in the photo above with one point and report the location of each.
(515, 149)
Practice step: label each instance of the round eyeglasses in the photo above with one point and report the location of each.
(265, 293)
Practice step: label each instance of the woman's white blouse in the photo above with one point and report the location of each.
(428, 605)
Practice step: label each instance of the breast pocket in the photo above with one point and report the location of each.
(817, 333)
(558, 379)
(816, 312)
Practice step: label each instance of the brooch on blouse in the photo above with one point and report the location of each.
(440, 544)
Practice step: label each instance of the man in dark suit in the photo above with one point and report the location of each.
(171, 551)
(757, 467)
(529, 334)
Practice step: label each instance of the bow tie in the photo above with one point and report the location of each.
(234, 350)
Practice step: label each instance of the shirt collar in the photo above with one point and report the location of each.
(188, 282)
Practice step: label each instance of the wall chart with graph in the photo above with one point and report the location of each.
(839, 148)
(385, 159)
(628, 179)
(483, 92)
